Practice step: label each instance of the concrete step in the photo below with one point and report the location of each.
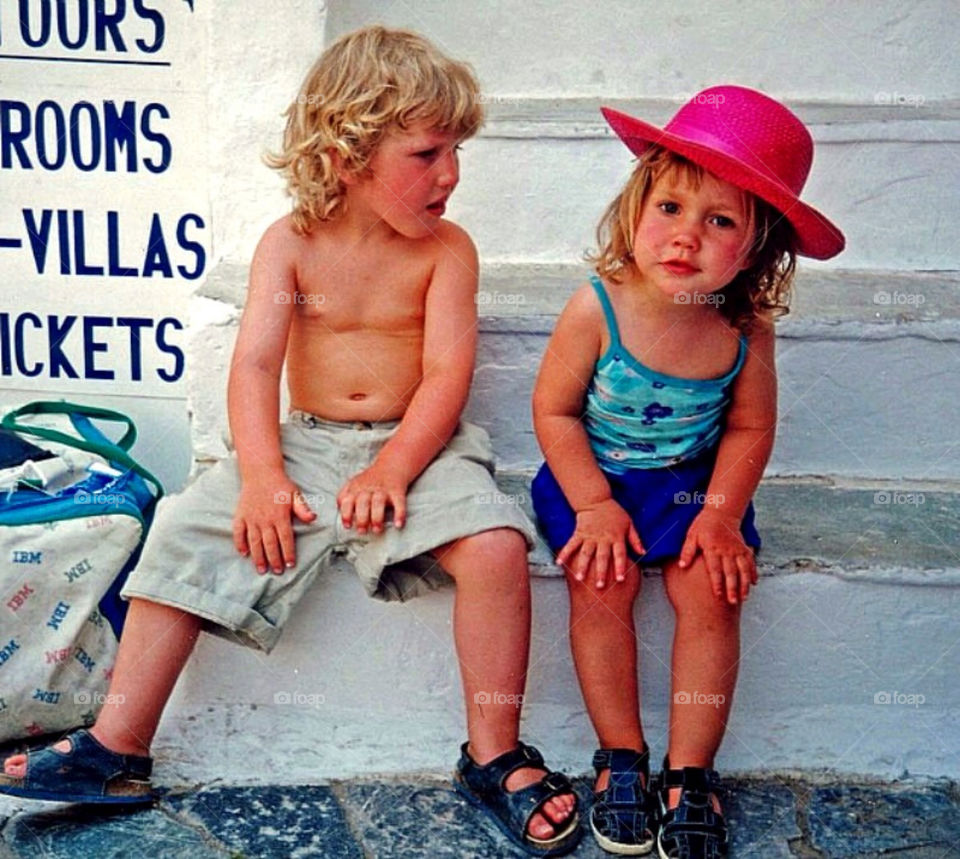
(416, 815)
(848, 662)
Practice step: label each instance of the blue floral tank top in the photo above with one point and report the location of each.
(636, 417)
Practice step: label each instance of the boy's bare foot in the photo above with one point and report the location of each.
(555, 811)
(16, 765)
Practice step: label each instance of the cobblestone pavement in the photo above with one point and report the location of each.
(420, 816)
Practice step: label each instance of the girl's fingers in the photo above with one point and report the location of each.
(715, 571)
(569, 549)
(619, 561)
(731, 577)
(584, 558)
(634, 539)
(601, 562)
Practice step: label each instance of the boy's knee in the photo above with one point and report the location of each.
(501, 549)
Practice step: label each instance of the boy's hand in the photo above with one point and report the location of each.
(728, 559)
(261, 523)
(603, 529)
(365, 497)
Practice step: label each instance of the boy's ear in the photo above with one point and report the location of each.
(344, 173)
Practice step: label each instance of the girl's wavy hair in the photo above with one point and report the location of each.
(761, 289)
(365, 83)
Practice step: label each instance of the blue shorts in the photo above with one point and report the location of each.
(662, 502)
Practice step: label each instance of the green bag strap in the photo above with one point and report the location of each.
(112, 452)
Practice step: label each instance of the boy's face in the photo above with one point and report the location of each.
(689, 239)
(411, 176)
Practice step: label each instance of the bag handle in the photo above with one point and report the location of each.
(115, 452)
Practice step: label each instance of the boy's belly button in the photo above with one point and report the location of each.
(358, 396)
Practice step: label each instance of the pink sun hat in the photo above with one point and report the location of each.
(749, 140)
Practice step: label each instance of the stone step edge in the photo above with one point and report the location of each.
(578, 117)
(827, 302)
(894, 535)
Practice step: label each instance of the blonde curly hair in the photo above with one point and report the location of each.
(761, 289)
(365, 83)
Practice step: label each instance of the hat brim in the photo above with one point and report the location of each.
(817, 236)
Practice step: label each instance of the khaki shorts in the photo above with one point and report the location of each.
(189, 560)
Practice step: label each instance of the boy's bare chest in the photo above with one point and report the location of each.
(388, 299)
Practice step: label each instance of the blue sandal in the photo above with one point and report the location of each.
(485, 787)
(692, 830)
(88, 773)
(623, 816)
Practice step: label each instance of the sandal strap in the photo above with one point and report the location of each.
(623, 811)
(517, 806)
(693, 826)
(88, 767)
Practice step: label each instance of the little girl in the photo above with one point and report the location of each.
(655, 408)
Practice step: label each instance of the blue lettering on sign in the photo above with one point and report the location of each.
(92, 136)
(15, 339)
(7, 650)
(78, 22)
(27, 557)
(75, 256)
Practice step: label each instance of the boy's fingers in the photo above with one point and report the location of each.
(288, 554)
(399, 503)
(256, 550)
(378, 509)
(361, 511)
(271, 547)
(301, 509)
(345, 503)
(240, 537)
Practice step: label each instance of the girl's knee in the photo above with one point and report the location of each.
(690, 592)
(585, 594)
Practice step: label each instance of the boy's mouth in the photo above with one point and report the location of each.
(438, 207)
(676, 266)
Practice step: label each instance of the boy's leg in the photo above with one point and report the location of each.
(706, 656)
(604, 644)
(492, 636)
(154, 647)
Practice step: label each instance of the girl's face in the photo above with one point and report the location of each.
(692, 240)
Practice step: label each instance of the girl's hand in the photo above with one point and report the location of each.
(603, 529)
(365, 497)
(728, 559)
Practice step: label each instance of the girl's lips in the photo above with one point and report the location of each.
(677, 267)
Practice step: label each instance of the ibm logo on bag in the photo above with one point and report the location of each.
(27, 557)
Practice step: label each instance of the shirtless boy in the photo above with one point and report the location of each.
(368, 294)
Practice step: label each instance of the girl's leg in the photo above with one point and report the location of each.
(706, 654)
(604, 643)
(154, 647)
